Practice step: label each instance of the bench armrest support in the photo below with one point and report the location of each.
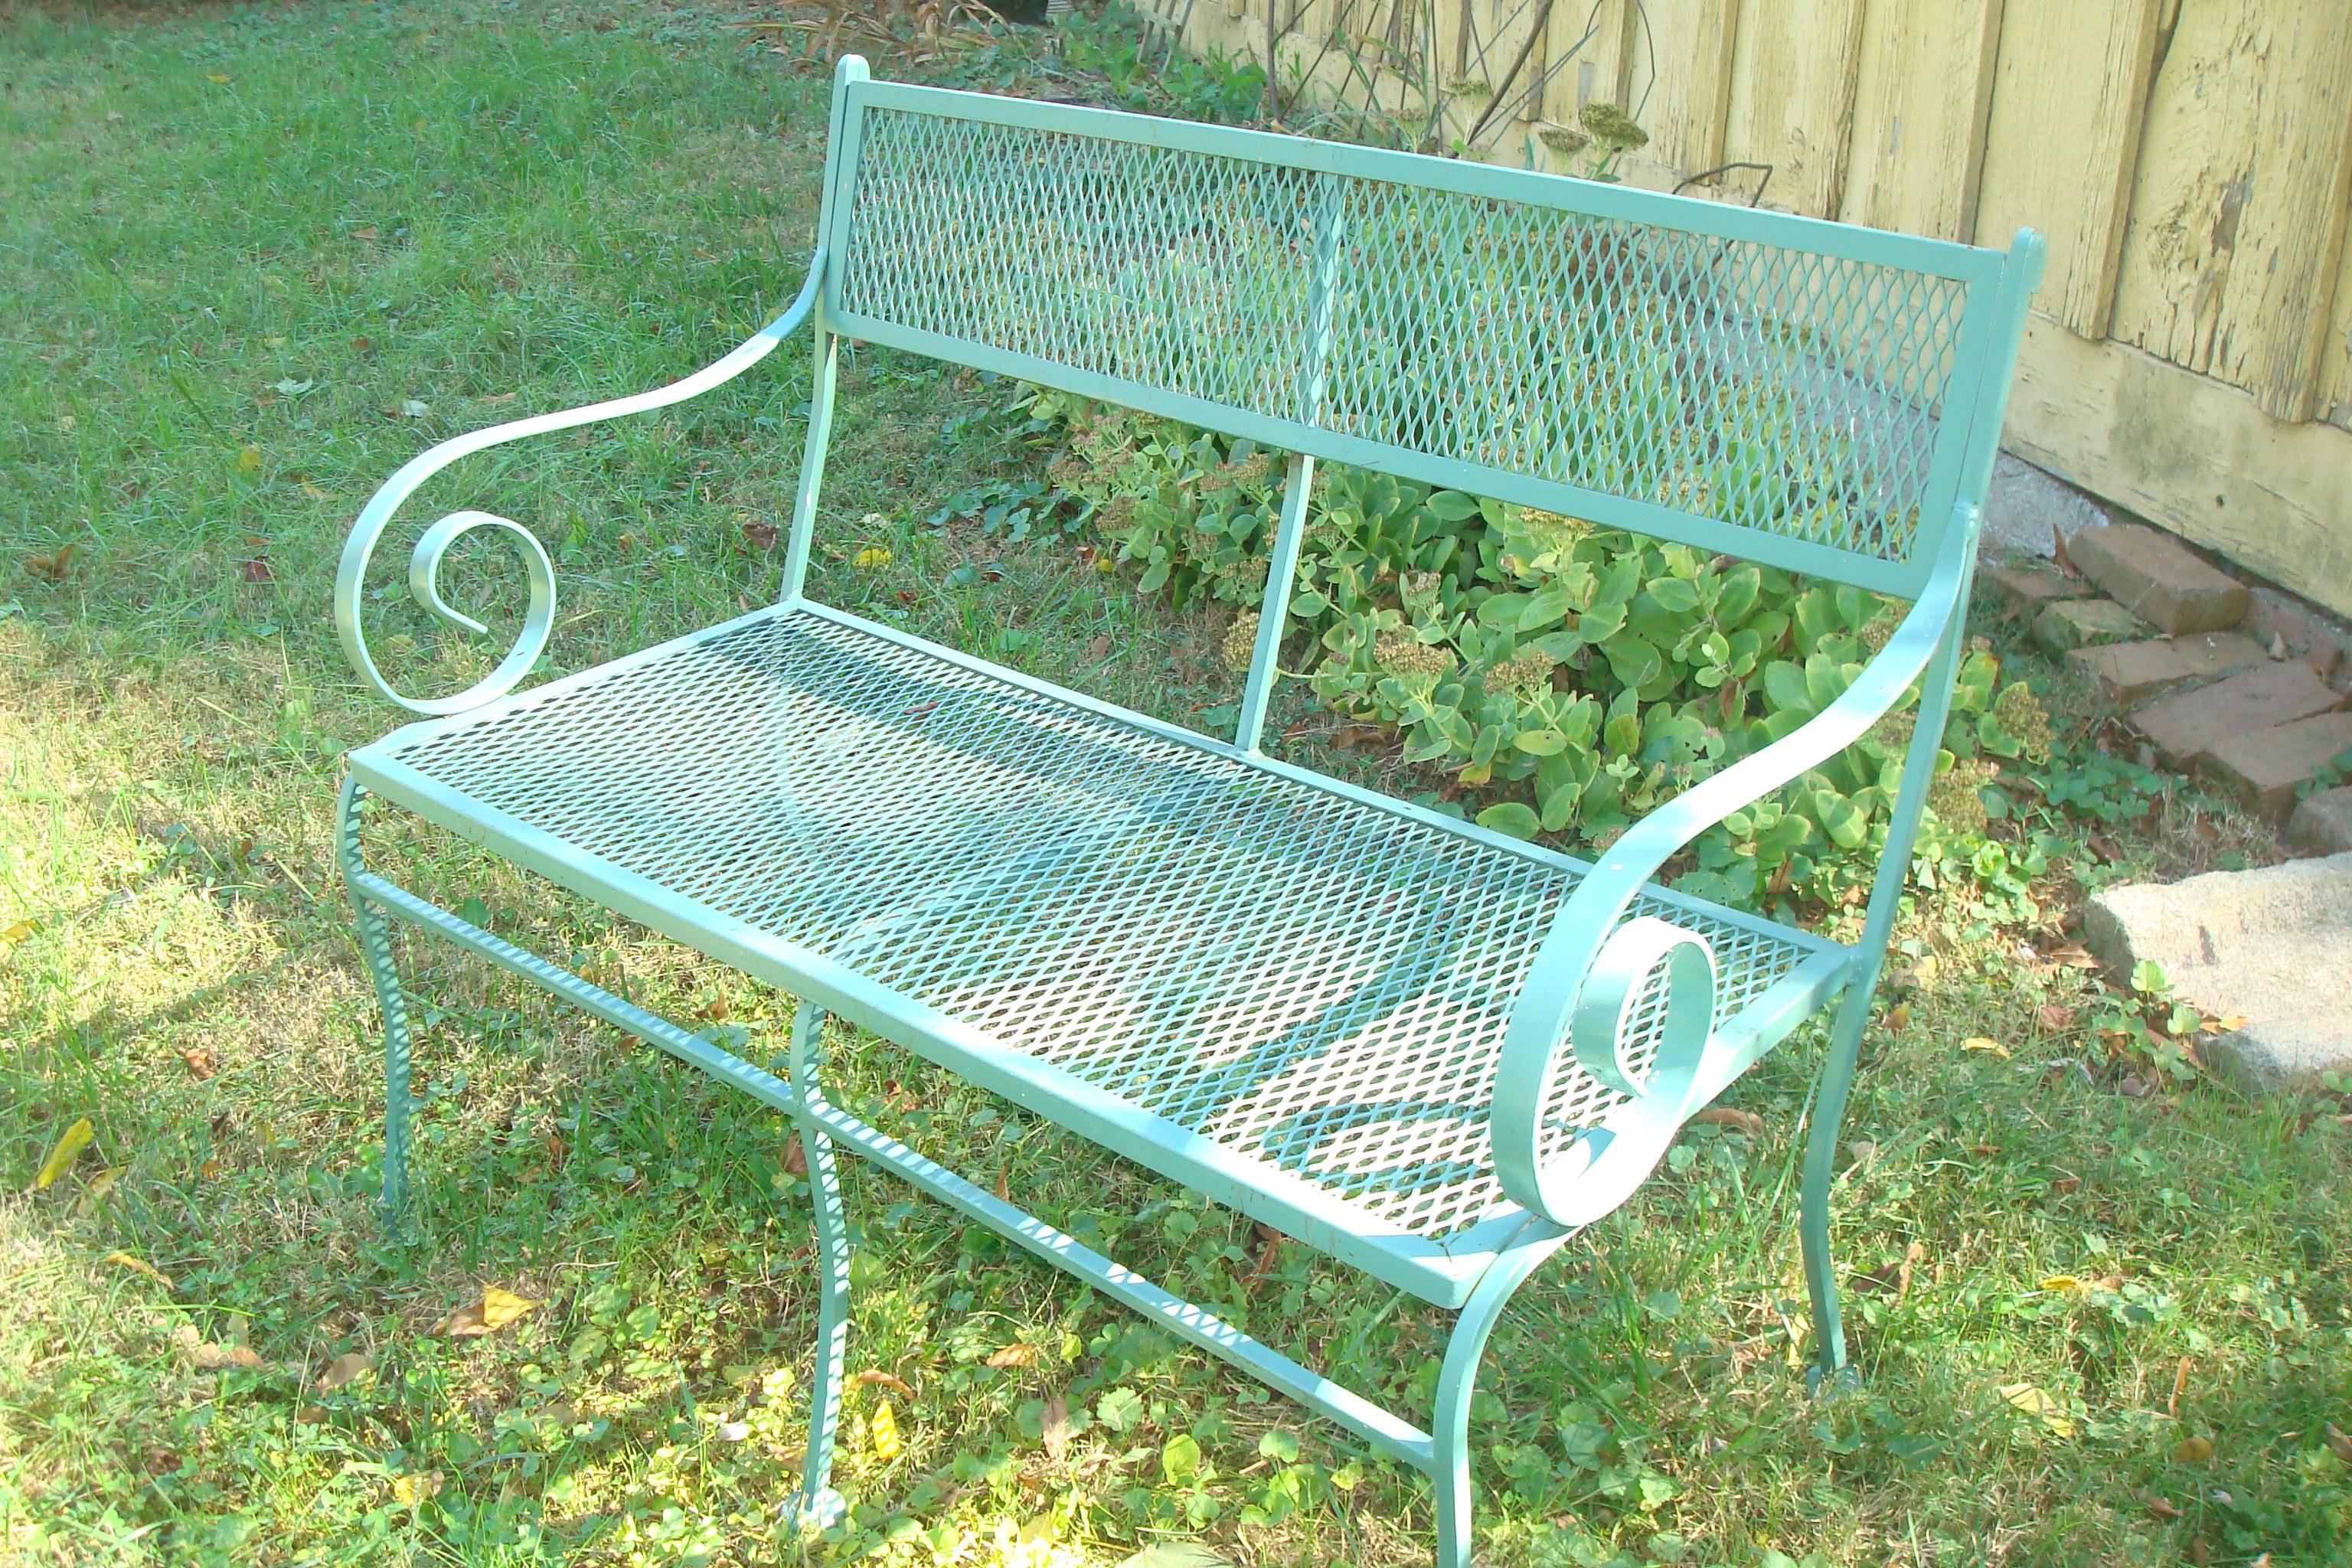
(425, 560)
(1593, 973)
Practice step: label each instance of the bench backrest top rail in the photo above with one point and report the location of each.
(1789, 391)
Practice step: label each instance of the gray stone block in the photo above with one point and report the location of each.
(2268, 946)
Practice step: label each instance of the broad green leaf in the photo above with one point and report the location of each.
(1825, 680)
(1785, 688)
(1546, 607)
(1632, 660)
(1847, 824)
(1545, 743)
(1511, 818)
(1451, 505)
(1502, 612)
(1676, 596)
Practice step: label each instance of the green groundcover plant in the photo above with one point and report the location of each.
(1563, 678)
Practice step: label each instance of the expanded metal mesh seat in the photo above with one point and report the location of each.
(1310, 978)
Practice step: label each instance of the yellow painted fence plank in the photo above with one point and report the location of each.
(2236, 221)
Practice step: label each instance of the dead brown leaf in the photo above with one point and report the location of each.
(1013, 1355)
(344, 1369)
(365, 231)
(256, 569)
(1055, 1424)
(52, 565)
(874, 1376)
(795, 1157)
(1745, 1121)
(761, 535)
(2337, 1443)
(199, 1059)
(2162, 1508)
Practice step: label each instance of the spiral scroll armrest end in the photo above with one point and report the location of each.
(1650, 979)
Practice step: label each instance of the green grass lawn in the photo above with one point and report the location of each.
(249, 261)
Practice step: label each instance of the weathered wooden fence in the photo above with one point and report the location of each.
(2190, 355)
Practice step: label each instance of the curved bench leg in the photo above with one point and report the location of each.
(1449, 1425)
(1821, 1162)
(819, 1506)
(375, 942)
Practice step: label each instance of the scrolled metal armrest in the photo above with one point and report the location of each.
(425, 560)
(1577, 986)
(1582, 1176)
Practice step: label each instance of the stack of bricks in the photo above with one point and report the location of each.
(2239, 684)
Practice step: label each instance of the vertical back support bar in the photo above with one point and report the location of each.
(841, 170)
(2020, 275)
(1282, 569)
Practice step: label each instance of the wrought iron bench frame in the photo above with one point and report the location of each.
(1595, 967)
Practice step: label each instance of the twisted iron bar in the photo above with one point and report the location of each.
(425, 560)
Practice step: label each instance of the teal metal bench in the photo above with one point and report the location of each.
(1431, 1051)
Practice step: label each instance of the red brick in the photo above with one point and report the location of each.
(2264, 768)
(2069, 624)
(2027, 580)
(2151, 573)
(2188, 724)
(2131, 673)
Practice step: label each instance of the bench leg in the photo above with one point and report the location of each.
(819, 1506)
(1449, 1471)
(1821, 1162)
(375, 943)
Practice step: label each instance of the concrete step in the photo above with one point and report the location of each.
(2152, 574)
(2264, 769)
(2187, 725)
(2132, 673)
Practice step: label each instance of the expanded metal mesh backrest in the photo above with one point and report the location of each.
(1745, 381)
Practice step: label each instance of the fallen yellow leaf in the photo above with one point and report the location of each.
(17, 931)
(139, 1265)
(217, 77)
(94, 1190)
(2062, 1282)
(1014, 1355)
(412, 1491)
(1984, 1042)
(494, 1311)
(872, 558)
(2193, 1450)
(206, 1356)
(882, 1432)
(70, 1145)
(2039, 1404)
(248, 461)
